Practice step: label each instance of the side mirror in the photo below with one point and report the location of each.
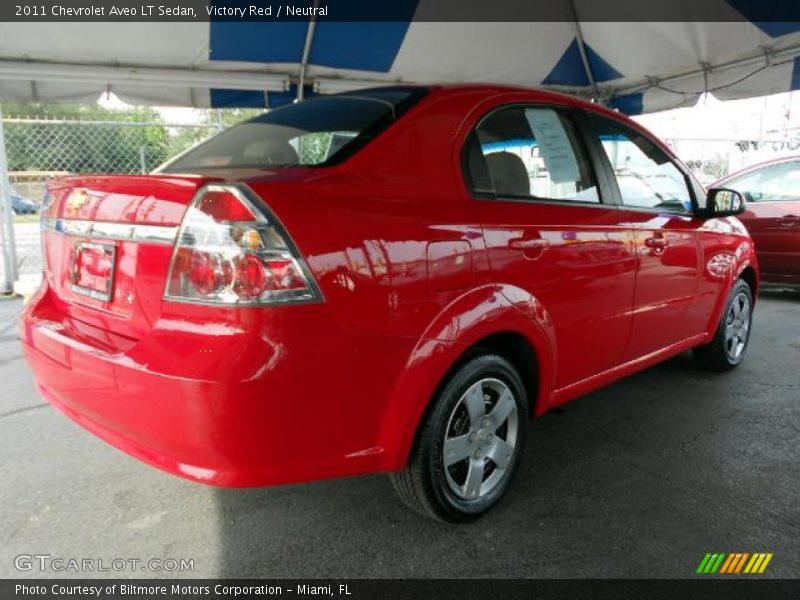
(722, 202)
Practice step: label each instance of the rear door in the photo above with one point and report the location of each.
(656, 200)
(549, 231)
(773, 218)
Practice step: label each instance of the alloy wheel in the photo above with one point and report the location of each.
(480, 439)
(737, 326)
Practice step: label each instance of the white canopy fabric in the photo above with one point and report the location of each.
(637, 66)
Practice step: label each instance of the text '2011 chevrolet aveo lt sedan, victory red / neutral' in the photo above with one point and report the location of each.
(390, 280)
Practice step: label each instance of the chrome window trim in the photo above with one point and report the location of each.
(101, 230)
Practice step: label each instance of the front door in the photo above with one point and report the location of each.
(549, 232)
(656, 201)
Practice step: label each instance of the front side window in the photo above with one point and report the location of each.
(770, 184)
(316, 132)
(528, 153)
(646, 176)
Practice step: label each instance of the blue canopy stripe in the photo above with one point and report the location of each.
(569, 69)
(279, 42)
(361, 46)
(344, 45)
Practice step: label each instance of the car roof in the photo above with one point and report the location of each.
(534, 94)
(756, 167)
(537, 94)
(489, 89)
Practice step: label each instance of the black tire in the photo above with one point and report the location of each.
(426, 484)
(717, 354)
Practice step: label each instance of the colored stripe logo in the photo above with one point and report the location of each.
(734, 562)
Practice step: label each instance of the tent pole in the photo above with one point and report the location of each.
(101, 76)
(312, 26)
(576, 26)
(6, 214)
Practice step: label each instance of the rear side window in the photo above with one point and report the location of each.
(317, 132)
(645, 175)
(529, 152)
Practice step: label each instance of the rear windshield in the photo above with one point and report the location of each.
(316, 132)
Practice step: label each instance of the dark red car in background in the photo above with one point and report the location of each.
(772, 191)
(391, 280)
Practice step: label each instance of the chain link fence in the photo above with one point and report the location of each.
(39, 148)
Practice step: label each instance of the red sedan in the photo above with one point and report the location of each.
(390, 280)
(772, 191)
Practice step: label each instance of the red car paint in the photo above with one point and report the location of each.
(412, 270)
(773, 224)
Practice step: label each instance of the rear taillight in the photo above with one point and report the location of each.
(231, 250)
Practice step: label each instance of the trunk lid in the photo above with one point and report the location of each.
(108, 242)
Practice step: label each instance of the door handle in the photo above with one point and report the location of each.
(528, 244)
(788, 222)
(656, 243)
(531, 247)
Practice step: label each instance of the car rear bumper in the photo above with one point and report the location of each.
(163, 422)
(264, 430)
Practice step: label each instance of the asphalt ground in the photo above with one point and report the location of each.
(639, 479)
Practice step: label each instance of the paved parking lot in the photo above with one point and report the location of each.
(640, 479)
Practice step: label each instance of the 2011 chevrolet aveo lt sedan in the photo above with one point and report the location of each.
(390, 280)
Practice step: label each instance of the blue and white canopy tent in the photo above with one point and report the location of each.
(637, 67)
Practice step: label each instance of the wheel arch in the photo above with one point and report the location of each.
(747, 269)
(455, 336)
(516, 349)
(748, 273)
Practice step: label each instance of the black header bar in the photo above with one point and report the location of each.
(399, 10)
